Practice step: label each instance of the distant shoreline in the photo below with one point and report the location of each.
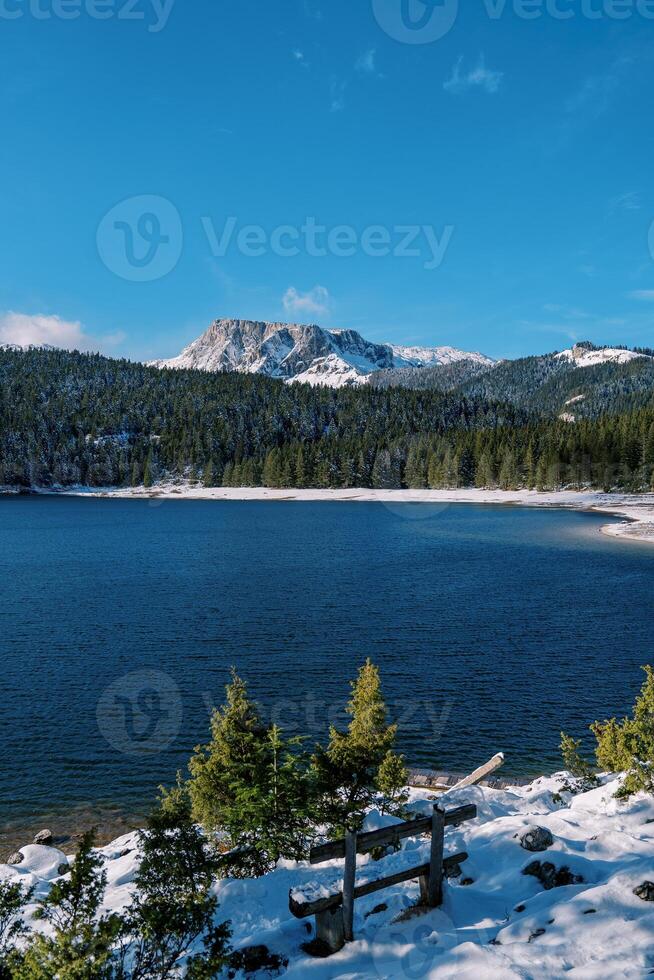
(637, 510)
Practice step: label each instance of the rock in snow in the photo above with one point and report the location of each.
(304, 353)
(43, 837)
(536, 839)
(504, 925)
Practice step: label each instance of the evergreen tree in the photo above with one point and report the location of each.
(172, 906)
(13, 898)
(80, 945)
(207, 476)
(249, 784)
(347, 771)
(148, 478)
(628, 746)
(392, 782)
(484, 476)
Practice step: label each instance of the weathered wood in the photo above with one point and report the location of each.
(424, 889)
(479, 774)
(435, 897)
(386, 836)
(329, 929)
(349, 876)
(301, 910)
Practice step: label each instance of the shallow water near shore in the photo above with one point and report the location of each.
(494, 629)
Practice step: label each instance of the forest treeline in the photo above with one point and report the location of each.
(70, 418)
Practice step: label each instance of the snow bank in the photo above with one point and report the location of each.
(496, 922)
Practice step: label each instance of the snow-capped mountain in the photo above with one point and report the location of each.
(304, 353)
(584, 355)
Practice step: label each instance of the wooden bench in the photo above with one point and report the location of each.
(335, 912)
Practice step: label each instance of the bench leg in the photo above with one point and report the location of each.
(330, 929)
(424, 889)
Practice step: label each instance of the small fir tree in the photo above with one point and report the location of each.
(392, 781)
(250, 785)
(628, 746)
(580, 768)
(13, 899)
(173, 909)
(80, 944)
(347, 770)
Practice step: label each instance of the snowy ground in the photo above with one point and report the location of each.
(503, 925)
(636, 509)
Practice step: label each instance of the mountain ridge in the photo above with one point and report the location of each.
(305, 353)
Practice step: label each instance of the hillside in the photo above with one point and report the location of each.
(70, 418)
(497, 922)
(595, 380)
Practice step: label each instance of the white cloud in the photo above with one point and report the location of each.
(478, 77)
(337, 91)
(299, 57)
(597, 92)
(644, 294)
(316, 301)
(625, 202)
(366, 62)
(24, 330)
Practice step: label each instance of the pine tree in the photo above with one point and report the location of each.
(347, 770)
(79, 946)
(13, 899)
(628, 746)
(484, 476)
(147, 471)
(392, 782)
(172, 906)
(300, 469)
(207, 476)
(249, 784)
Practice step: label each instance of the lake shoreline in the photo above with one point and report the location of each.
(636, 510)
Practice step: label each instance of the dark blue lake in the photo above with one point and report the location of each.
(494, 629)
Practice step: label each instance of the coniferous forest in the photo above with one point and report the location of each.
(71, 419)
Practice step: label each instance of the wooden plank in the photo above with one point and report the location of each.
(302, 910)
(435, 897)
(349, 876)
(333, 850)
(479, 774)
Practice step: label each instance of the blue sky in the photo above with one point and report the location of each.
(516, 151)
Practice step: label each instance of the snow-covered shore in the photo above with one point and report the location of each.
(637, 510)
(496, 921)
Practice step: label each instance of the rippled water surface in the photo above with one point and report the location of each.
(494, 628)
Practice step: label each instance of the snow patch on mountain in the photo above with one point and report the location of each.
(582, 356)
(303, 353)
(431, 356)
